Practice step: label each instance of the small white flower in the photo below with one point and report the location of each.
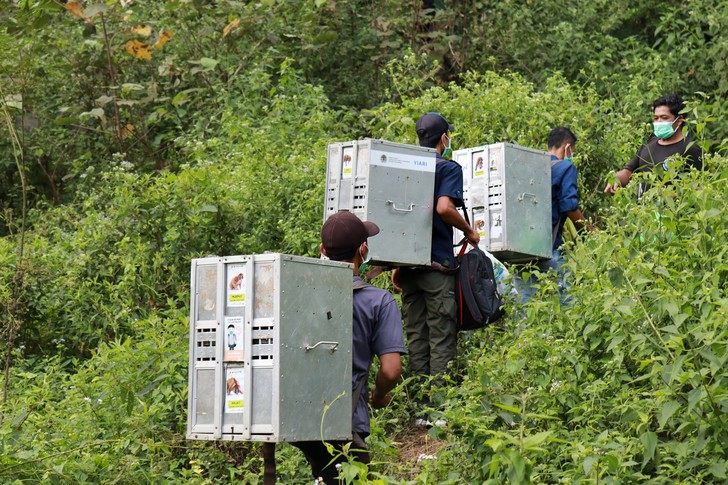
(87, 399)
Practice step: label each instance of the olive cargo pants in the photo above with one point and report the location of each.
(429, 311)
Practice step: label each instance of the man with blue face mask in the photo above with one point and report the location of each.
(669, 140)
(564, 204)
(564, 190)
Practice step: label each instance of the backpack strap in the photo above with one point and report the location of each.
(357, 394)
(359, 284)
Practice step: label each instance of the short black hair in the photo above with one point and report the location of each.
(672, 101)
(561, 135)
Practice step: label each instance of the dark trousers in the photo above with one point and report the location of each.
(320, 459)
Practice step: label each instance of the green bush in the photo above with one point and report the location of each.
(627, 383)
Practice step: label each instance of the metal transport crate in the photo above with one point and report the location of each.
(391, 184)
(507, 192)
(270, 349)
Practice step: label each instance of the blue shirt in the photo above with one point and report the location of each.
(377, 331)
(449, 183)
(564, 196)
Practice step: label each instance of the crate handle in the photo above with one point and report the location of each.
(391, 202)
(334, 345)
(523, 196)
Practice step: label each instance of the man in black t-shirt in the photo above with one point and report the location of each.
(669, 141)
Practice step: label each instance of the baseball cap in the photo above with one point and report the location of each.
(430, 128)
(343, 232)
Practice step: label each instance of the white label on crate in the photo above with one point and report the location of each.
(236, 285)
(478, 164)
(421, 163)
(493, 159)
(479, 222)
(347, 164)
(234, 329)
(496, 225)
(234, 389)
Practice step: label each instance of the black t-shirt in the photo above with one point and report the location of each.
(652, 154)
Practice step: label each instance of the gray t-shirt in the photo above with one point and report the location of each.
(377, 331)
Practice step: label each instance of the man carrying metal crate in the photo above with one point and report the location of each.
(428, 301)
(564, 204)
(377, 330)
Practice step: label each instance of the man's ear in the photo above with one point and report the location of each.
(323, 250)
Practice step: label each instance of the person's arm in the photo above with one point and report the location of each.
(390, 370)
(579, 220)
(450, 214)
(622, 177)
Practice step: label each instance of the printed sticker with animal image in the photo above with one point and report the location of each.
(479, 222)
(234, 378)
(478, 164)
(347, 166)
(236, 284)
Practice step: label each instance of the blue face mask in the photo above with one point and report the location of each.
(448, 150)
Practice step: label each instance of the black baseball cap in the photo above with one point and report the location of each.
(343, 232)
(430, 128)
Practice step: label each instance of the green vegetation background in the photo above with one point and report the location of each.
(138, 135)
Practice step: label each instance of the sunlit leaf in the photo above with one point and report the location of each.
(164, 37)
(230, 27)
(75, 9)
(142, 29)
(139, 50)
(127, 131)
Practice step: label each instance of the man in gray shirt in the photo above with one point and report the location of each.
(377, 330)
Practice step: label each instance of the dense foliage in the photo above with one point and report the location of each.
(138, 135)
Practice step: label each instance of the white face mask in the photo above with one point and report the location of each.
(364, 260)
(568, 156)
(448, 150)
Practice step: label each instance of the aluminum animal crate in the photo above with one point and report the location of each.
(507, 192)
(270, 349)
(391, 184)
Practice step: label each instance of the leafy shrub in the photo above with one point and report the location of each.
(627, 383)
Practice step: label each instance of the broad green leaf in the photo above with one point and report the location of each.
(718, 470)
(534, 441)
(507, 408)
(589, 462)
(616, 276)
(668, 409)
(208, 63)
(649, 440)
